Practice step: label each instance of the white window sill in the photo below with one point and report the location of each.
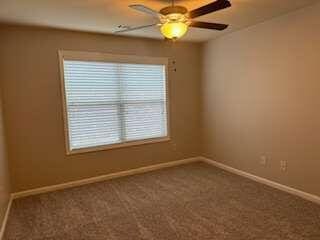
(118, 145)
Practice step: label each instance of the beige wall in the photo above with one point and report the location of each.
(259, 91)
(261, 96)
(4, 170)
(32, 103)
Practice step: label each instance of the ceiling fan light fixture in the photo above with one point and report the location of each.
(174, 30)
(174, 25)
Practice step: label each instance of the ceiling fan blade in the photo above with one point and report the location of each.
(129, 29)
(206, 25)
(209, 8)
(144, 9)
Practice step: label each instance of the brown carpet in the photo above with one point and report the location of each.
(194, 201)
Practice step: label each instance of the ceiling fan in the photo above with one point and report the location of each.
(175, 20)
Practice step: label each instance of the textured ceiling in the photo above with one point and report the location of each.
(104, 16)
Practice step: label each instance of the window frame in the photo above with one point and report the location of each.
(107, 57)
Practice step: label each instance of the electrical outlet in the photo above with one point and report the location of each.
(263, 160)
(283, 165)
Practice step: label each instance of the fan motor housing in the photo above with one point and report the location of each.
(173, 9)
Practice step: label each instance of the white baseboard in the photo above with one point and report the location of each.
(102, 178)
(5, 219)
(299, 193)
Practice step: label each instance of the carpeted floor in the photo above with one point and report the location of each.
(194, 201)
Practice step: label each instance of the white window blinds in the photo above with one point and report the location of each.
(110, 103)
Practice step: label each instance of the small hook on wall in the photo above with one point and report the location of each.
(174, 63)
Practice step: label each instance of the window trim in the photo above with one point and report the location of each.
(107, 57)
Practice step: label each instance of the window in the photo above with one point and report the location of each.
(113, 100)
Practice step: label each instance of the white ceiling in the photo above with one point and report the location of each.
(104, 16)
